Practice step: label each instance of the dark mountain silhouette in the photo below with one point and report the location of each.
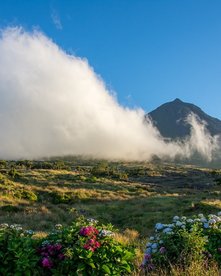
(170, 119)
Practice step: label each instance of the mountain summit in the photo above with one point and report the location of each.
(170, 119)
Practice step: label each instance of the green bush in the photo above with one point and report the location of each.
(90, 249)
(84, 248)
(17, 251)
(183, 241)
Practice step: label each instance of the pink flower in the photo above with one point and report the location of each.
(97, 244)
(47, 263)
(88, 231)
(88, 247)
(92, 244)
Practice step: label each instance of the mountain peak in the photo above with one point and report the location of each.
(177, 100)
(170, 119)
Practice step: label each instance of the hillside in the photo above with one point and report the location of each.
(129, 195)
(170, 118)
(132, 196)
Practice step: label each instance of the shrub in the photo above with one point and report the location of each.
(184, 241)
(90, 249)
(14, 173)
(17, 251)
(84, 248)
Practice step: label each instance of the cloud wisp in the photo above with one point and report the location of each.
(52, 103)
(56, 20)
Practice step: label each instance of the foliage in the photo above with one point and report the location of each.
(17, 251)
(184, 241)
(90, 249)
(84, 248)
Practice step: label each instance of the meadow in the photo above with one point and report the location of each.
(131, 196)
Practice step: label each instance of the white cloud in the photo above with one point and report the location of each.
(52, 103)
(56, 20)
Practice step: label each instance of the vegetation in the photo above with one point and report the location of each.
(131, 196)
(84, 248)
(184, 241)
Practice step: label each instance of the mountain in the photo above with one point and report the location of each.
(170, 118)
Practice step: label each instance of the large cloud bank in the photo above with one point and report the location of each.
(52, 103)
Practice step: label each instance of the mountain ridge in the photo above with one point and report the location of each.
(170, 119)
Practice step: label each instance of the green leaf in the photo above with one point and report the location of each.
(106, 269)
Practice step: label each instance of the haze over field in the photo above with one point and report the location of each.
(53, 103)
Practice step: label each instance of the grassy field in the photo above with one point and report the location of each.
(135, 196)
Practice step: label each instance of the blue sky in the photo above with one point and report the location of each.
(148, 52)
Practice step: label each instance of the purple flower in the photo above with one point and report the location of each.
(57, 247)
(61, 257)
(47, 263)
(162, 250)
(147, 257)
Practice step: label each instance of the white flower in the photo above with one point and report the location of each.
(203, 220)
(4, 225)
(212, 221)
(179, 223)
(106, 233)
(18, 228)
(183, 218)
(159, 226)
(58, 226)
(29, 232)
(176, 218)
(149, 244)
(201, 216)
(92, 220)
(189, 220)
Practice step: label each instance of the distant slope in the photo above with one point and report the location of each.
(170, 117)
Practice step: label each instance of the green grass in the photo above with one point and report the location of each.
(129, 195)
(40, 198)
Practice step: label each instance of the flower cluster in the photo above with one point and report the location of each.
(84, 247)
(4, 225)
(203, 225)
(16, 229)
(88, 231)
(92, 245)
(105, 233)
(50, 254)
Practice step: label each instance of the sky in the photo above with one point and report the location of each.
(147, 52)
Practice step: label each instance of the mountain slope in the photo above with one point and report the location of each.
(170, 118)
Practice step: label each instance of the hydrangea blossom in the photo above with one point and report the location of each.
(156, 244)
(159, 226)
